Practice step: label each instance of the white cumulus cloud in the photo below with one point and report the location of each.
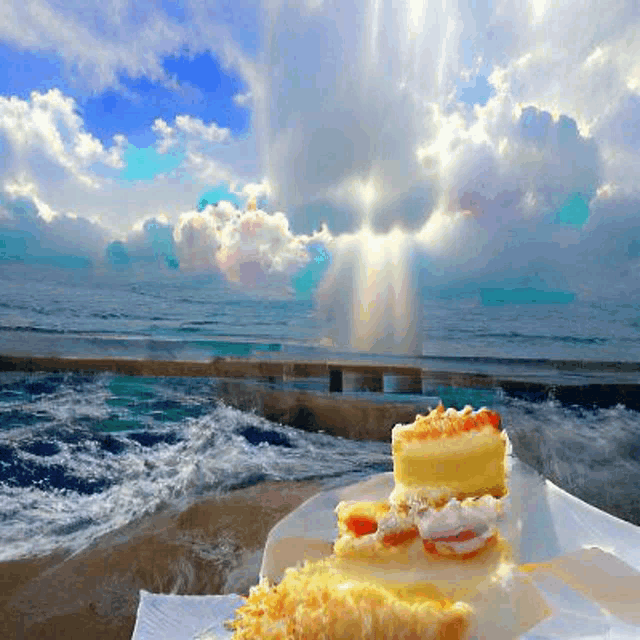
(252, 247)
(45, 134)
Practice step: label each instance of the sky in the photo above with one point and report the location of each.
(356, 153)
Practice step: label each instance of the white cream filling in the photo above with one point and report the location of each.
(478, 515)
(467, 546)
(358, 544)
(418, 497)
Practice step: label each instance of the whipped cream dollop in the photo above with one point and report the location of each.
(480, 515)
(466, 546)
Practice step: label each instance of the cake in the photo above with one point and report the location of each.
(427, 562)
(448, 454)
(450, 478)
(318, 602)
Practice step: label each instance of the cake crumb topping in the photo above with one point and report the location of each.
(439, 423)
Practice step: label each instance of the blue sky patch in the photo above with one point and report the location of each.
(133, 114)
(204, 90)
(175, 10)
(574, 213)
(145, 164)
(221, 192)
(476, 92)
(22, 72)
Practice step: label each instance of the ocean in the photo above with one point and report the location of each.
(82, 455)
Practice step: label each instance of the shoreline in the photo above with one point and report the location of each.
(212, 546)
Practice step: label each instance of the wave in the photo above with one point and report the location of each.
(82, 455)
(592, 453)
(33, 329)
(89, 454)
(515, 335)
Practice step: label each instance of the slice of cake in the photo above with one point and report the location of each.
(319, 602)
(437, 533)
(460, 530)
(426, 563)
(448, 454)
(450, 475)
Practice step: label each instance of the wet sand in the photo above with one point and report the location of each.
(213, 546)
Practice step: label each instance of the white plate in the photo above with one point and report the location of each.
(542, 523)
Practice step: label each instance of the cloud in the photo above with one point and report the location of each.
(44, 143)
(194, 133)
(619, 139)
(476, 189)
(97, 43)
(508, 175)
(100, 43)
(200, 143)
(357, 123)
(243, 99)
(32, 232)
(388, 115)
(151, 241)
(46, 134)
(255, 249)
(252, 248)
(327, 124)
(256, 190)
(600, 259)
(606, 260)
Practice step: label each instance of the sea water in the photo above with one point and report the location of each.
(82, 455)
(181, 316)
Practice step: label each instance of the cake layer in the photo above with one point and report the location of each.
(470, 465)
(490, 582)
(448, 454)
(427, 563)
(318, 601)
(371, 529)
(452, 578)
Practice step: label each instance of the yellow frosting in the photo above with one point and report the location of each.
(319, 602)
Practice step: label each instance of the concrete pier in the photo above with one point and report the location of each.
(342, 375)
(257, 385)
(352, 399)
(355, 418)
